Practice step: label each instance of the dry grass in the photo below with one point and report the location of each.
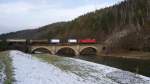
(6, 60)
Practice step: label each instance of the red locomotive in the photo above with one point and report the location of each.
(87, 41)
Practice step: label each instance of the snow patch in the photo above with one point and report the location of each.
(29, 70)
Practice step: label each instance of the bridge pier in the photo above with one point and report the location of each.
(77, 54)
(53, 53)
(98, 54)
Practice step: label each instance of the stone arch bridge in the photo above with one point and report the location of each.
(77, 48)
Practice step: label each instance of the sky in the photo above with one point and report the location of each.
(28, 14)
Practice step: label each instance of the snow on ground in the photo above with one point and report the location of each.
(117, 75)
(30, 70)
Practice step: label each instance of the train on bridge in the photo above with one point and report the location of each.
(53, 41)
(72, 41)
(54, 46)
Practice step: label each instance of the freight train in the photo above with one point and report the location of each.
(53, 41)
(74, 41)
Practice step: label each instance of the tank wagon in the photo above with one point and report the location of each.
(72, 41)
(54, 41)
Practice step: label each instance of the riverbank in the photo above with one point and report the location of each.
(6, 68)
(129, 55)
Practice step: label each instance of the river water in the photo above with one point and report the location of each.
(137, 66)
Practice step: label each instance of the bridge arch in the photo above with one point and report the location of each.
(67, 51)
(41, 50)
(89, 50)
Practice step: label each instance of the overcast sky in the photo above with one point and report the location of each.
(27, 14)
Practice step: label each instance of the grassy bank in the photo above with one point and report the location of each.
(61, 62)
(1, 66)
(6, 60)
(68, 65)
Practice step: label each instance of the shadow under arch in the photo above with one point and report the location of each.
(88, 51)
(41, 51)
(66, 51)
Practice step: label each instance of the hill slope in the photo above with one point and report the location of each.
(122, 26)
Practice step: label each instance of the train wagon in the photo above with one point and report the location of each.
(72, 41)
(87, 41)
(54, 41)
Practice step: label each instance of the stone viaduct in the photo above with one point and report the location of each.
(77, 48)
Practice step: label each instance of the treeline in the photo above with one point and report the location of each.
(122, 26)
(105, 21)
(3, 45)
